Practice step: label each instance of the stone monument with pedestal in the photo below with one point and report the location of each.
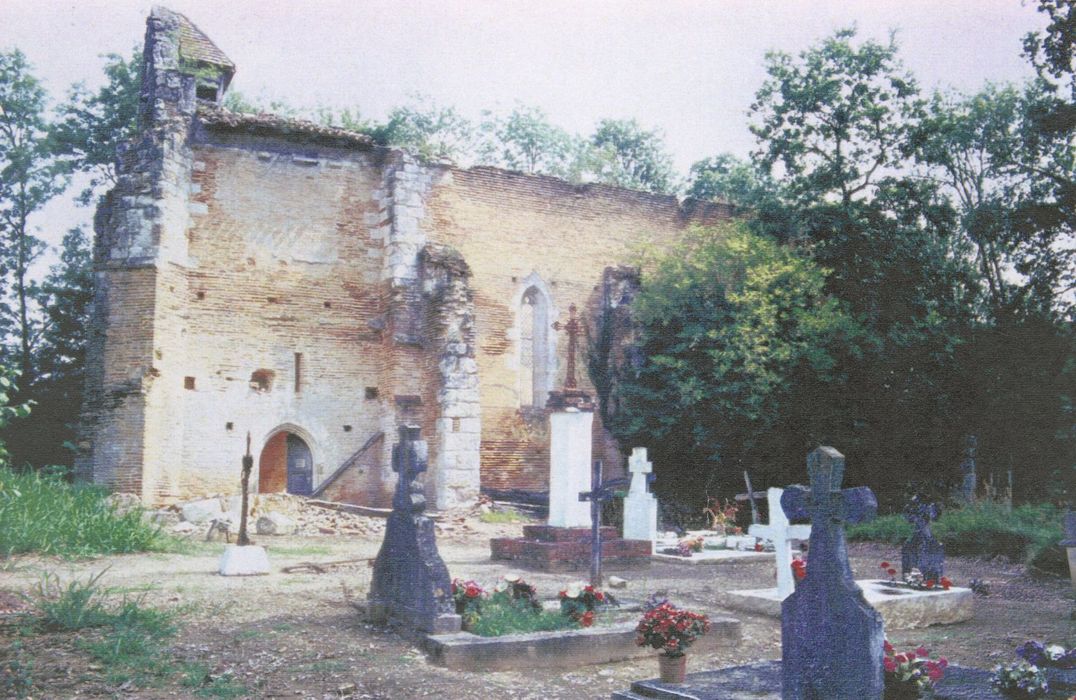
(640, 506)
(410, 584)
(564, 544)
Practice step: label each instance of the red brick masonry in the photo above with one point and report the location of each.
(548, 548)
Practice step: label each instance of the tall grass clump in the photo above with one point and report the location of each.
(1027, 533)
(42, 513)
(129, 638)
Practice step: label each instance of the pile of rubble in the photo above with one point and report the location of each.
(284, 514)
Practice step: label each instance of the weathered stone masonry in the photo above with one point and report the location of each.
(274, 276)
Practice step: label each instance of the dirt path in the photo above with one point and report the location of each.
(295, 635)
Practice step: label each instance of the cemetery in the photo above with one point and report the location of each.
(530, 415)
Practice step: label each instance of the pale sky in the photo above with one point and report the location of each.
(687, 67)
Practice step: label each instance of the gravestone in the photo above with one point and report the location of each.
(922, 551)
(640, 506)
(782, 534)
(410, 584)
(831, 639)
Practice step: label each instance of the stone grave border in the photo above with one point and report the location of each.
(463, 651)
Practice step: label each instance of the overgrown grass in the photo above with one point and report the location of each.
(1028, 533)
(44, 514)
(500, 516)
(499, 617)
(128, 639)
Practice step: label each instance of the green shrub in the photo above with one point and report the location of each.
(42, 513)
(1027, 534)
(501, 516)
(501, 615)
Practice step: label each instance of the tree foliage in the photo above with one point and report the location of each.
(30, 176)
(627, 155)
(525, 140)
(736, 331)
(92, 124)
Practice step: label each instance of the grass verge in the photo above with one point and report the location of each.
(1027, 534)
(43, 513)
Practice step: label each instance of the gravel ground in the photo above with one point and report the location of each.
(295, 635)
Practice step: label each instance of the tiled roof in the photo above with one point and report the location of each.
(194, 45)
(218, 117)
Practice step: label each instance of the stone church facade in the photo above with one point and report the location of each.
(299, 283)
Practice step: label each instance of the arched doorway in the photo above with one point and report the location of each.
(286, 465)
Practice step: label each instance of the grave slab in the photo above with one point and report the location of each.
(709, 557)
(762, 681)
(901, 608)
(464, 651)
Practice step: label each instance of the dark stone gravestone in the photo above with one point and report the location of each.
(411, 586)
(831, 639)
(922, 551)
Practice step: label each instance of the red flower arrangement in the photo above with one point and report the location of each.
(799, 568)
(580, 601)
(466, 594)
(912, 669)
(670, 629)
(914, 579)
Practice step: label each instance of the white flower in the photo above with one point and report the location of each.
(1054, 652)
(512, 578)
(575, 589)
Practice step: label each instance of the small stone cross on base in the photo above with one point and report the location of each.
(831, 638)
(782, 535)
(640, 506)
(573, 328)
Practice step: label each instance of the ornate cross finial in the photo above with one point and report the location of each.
(573, 328)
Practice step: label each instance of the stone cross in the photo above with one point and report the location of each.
(922, 551)
(410, 583)
(640, 507)
(409, 459)
(831, 638)
(782, 534)
(599, 493)
(573, 328)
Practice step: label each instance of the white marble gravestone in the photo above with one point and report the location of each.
(782, 534)
(569, 466)
(640, 506)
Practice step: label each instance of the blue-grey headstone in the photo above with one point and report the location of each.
(922, 551)
(831, 639)
(410, 585)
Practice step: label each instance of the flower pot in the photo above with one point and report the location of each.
(672, 669)
(901, 691)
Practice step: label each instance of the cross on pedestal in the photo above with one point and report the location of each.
(640, 507)
(782, 534)
(831, 638)
(573, 328)
(599, 493)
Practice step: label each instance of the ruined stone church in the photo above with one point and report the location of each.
(308, 286)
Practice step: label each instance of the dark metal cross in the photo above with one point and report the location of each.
(599, 493)
(248, 464)
(409, 459)
(573, 328)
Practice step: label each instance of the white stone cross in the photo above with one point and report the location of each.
(782, 535)
(640, 506)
